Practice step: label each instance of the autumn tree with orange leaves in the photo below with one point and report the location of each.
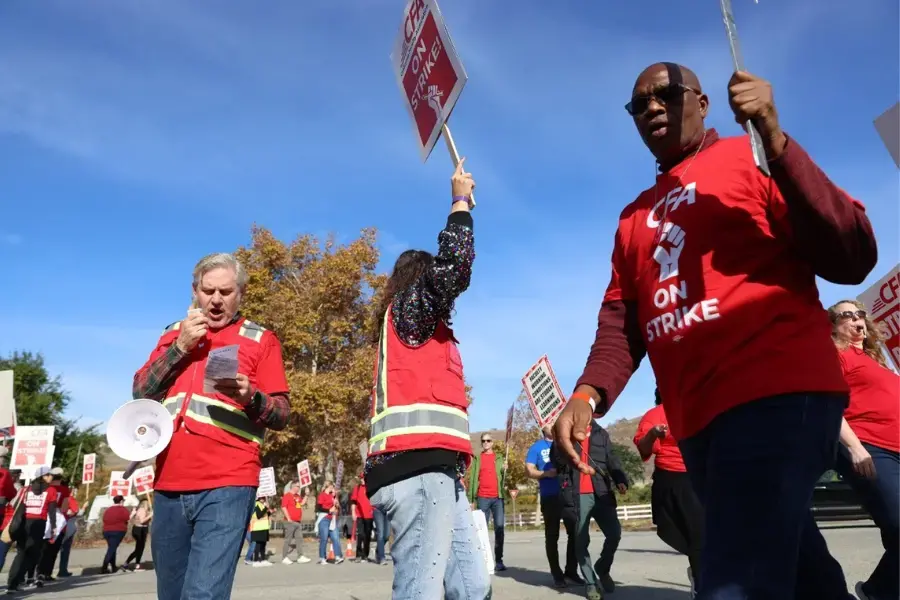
(317, 296)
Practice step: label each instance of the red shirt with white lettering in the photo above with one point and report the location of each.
(668, 456)
(37, 506)
(874, 411)
(487, 477)
(324, 503)
(586, 484)
(728, 310)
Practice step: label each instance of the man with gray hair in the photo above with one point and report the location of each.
(206, 478)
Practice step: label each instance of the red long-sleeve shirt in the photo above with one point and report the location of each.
(713, 275)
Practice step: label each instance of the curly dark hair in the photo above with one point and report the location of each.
(410, 265)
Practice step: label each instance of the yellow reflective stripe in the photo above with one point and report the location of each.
(381, 396)
(224, 416)
(174, 403)
(251, 330)
(373, 441)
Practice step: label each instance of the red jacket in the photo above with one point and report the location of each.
(419, 397)
(215, 444)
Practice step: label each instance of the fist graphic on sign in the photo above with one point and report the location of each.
(671, 243)
(433, 97)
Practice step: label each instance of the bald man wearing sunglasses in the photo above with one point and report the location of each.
(714, 277)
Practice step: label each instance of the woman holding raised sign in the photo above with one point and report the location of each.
(419, 447)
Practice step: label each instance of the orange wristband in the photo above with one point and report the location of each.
(586, 398)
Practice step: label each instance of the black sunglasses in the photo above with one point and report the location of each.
(849, 314)
(638, 105)
(486, 441)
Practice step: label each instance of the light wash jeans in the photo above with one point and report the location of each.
(196, 539)
(436, 550)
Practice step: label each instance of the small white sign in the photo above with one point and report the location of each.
(266, 487)
(33, 448)
(882, 301)
(118, 485)
(543, 391)
(88, 468)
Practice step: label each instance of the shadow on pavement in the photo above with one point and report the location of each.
(92, 571)
(623, 590)
(60, 585)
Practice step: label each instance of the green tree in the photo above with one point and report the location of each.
(41, 399)
(631, 461)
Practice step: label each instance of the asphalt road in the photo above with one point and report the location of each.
(645, 568)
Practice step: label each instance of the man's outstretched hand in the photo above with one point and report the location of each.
(572, 425)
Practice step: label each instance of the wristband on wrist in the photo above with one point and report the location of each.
(587, 399)
(465, 199)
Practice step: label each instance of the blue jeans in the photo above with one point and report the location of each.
(327, 533)
(251, 546)
(196, 540)
(754, 469)
(382, 532)
(493, 507)
(113, 539)
(435, 545)
(66, 549)
(881, 497)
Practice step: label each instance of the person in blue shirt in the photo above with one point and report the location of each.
(537, 465)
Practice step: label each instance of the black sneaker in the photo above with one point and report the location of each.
(560, 582)
(499, 566)
(609, 586)
(575, 578)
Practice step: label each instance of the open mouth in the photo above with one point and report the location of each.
(216, 313)
(658, 129)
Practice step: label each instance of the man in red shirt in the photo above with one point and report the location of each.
(364, 516)
(206, 478)
(7, 501)
(713, 276)
(487, 480)
(40, 500)
(292, 513)
(51, 551)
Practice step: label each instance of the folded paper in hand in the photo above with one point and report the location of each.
(221, 364)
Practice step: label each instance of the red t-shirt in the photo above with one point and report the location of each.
(586, 484)
(728, 309)
(358, 497)
(324, 503)
(200, 463)
(71, 506)
(668, 456)
(487, 477)
(8, 491)
(874, 411)
(293, 505)
(115, 518)
(37, 506)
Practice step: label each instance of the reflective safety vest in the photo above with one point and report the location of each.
(419, 397)
(262, 523)
(211, 414)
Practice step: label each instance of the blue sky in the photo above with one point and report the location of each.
(136, 137)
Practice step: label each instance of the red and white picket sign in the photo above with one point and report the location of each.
(882, 300)
(428, 70)
(118, 485)
(88, 468)
(543, 391)
(143, 480)
(304, 475)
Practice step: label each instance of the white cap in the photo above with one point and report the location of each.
(57, 471)
(41, 471)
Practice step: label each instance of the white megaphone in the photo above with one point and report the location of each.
(138, 431)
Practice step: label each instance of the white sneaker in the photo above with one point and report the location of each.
(322, 561)
(287, 561)
(303, 560)
(338, 561)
